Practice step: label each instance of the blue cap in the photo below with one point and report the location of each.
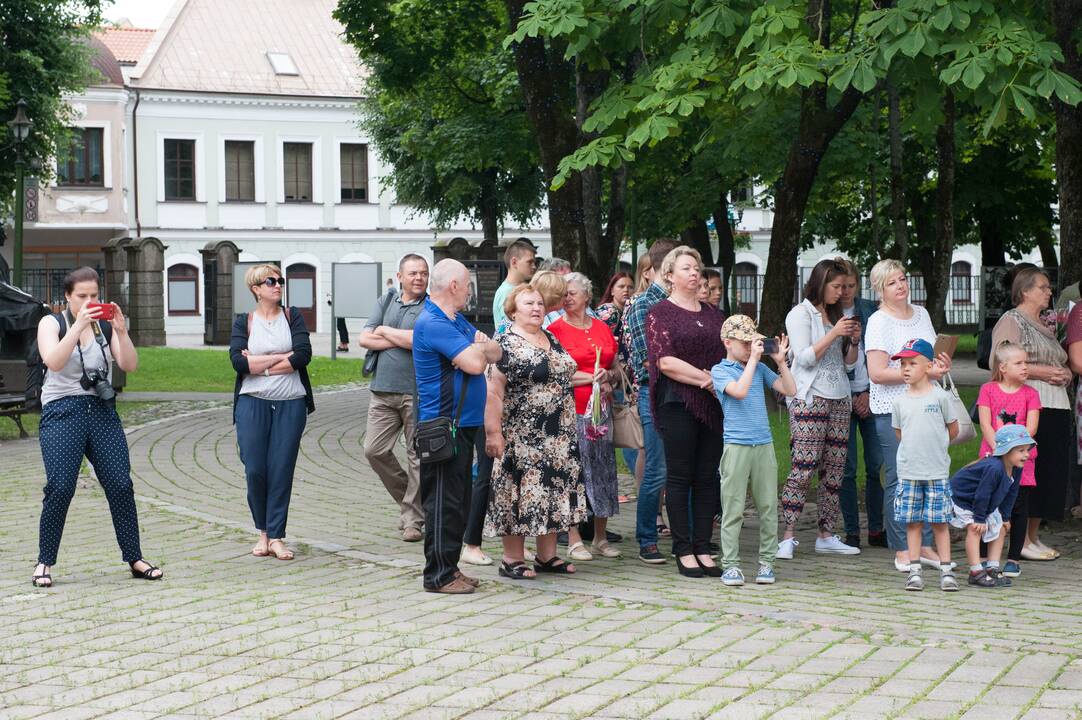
(1009, 437)
(915, 347)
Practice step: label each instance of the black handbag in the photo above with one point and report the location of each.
(434, 440)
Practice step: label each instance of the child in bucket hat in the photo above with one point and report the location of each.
(983, 494)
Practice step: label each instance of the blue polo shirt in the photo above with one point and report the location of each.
(436, 341)
(746, 421)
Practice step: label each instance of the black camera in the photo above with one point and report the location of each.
(98, 381)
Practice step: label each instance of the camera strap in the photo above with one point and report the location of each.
(99, 337)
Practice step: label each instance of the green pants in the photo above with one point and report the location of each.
(741, 466)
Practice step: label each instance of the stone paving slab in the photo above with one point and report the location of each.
(345, 630)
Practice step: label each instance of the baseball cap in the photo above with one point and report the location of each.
(913, 348)
(740, 327)
(1011, 436)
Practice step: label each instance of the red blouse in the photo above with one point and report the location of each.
(582, 345)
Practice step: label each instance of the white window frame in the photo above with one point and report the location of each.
(106, 156)
(317, 166)
(200, 163)
(257, 152)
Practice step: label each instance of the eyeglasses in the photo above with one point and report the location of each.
(272, 281)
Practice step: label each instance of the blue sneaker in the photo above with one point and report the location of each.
(732, 576)
(765, 575)
(1012, 569)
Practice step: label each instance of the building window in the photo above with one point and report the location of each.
(354, 172)
(297, 165)
(180, 170)
(183, 290)
(962, 283)
(239, 171)
(742, 195)
(84, 162)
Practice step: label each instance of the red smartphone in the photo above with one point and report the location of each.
(106, 310)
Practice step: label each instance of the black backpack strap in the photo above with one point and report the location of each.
(62, 322)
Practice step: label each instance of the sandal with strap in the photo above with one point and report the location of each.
(45, 580)
(147, 574)
(553, 565)
(284, 554)
(663, 529)
(515, 570)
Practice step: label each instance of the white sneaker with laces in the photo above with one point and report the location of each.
(786, 547)
(833, 545)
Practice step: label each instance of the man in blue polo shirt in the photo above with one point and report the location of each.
(449, 351)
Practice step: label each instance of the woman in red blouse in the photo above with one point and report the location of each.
(583, 336)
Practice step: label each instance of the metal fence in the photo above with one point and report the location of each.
(47, 284)
(962, 306)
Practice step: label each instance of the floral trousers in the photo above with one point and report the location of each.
(819, 443)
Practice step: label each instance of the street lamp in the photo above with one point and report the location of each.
(20, 130)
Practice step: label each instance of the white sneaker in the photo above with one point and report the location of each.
(786, 547)
(833, 545)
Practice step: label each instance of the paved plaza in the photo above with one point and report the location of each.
(346, 631)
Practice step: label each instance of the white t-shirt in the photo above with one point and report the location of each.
(888, 334)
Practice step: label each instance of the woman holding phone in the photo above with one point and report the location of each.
(824, 345)
(79, 419)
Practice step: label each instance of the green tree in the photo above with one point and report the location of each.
(444, 110)
(43, 58)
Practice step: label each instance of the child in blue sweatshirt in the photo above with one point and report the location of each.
(983, 494)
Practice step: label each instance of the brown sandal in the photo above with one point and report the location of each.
(260, 550)
(285, 554)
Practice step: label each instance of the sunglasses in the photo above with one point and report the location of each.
(272, 281)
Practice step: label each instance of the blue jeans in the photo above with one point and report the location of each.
(269, 438)
(888, 441)
(630, 458)
(873, 487)
(653, 477)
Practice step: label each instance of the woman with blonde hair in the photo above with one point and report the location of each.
(270, 351)
(891, 327)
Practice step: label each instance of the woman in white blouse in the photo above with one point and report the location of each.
(895, 323)
(824, 348)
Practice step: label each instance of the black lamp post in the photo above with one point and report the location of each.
(20, 130)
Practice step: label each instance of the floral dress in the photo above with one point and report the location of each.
(537, 484)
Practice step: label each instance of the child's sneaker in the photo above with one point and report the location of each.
(833, 545)
(732, 576)
(915, 581)
(786, 547)
(996, 574)
(1012, 569)
(981, 578)
(765, 575)
(947, 582)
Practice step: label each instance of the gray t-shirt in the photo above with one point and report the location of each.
(394, 369)
(923, 420)
(267, 339)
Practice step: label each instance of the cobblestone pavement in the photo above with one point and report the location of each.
(345, 630)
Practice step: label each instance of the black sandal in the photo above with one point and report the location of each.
(515, 570)
(36, 580)
(147, 574)
(553, 565)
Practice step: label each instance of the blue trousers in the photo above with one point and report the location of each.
(873, 487)
(888, 441)
(269, 438)
(71, 428)
(653, 477)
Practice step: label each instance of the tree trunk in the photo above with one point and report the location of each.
(726, 247)
(936, 283)
(897, 187)
(489, 207)
(698, 237)
(993, 254)
(873, 179)
(1046, 241)
(1067, 19)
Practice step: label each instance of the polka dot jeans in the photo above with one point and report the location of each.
(71, 428)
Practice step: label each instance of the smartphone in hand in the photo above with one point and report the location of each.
(106, 310)
(770, 346)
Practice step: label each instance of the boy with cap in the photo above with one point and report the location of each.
(749, 446)
(983, 494)
(925, 423)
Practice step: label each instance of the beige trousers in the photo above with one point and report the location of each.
(389, 415)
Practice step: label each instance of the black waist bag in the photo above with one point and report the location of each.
(434, 440)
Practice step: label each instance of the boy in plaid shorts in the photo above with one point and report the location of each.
(925, 423)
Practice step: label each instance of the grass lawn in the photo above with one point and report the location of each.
(194, 370)
(9, 431)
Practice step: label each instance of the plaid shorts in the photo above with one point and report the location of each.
(922, 501)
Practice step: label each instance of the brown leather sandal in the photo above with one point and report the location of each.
(284, 554)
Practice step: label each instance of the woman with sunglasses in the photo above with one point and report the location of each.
(270, 351)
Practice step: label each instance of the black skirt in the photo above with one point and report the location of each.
(1055, 434)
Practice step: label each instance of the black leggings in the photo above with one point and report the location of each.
(692, 455)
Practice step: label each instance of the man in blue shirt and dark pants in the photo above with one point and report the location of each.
(449, 351)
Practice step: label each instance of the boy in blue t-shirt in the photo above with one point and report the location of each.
(748, 458)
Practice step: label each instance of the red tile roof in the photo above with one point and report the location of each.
(127, 44)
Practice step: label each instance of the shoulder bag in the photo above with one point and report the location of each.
(626, 426)
(966, 431)
(368, 368)
(434, 440)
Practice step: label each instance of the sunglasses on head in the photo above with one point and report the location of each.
(271, 281)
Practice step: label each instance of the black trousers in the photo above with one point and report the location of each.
(479, 497)
(692, 454)
(445, 496)
(343, 331)
(1054, 436)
